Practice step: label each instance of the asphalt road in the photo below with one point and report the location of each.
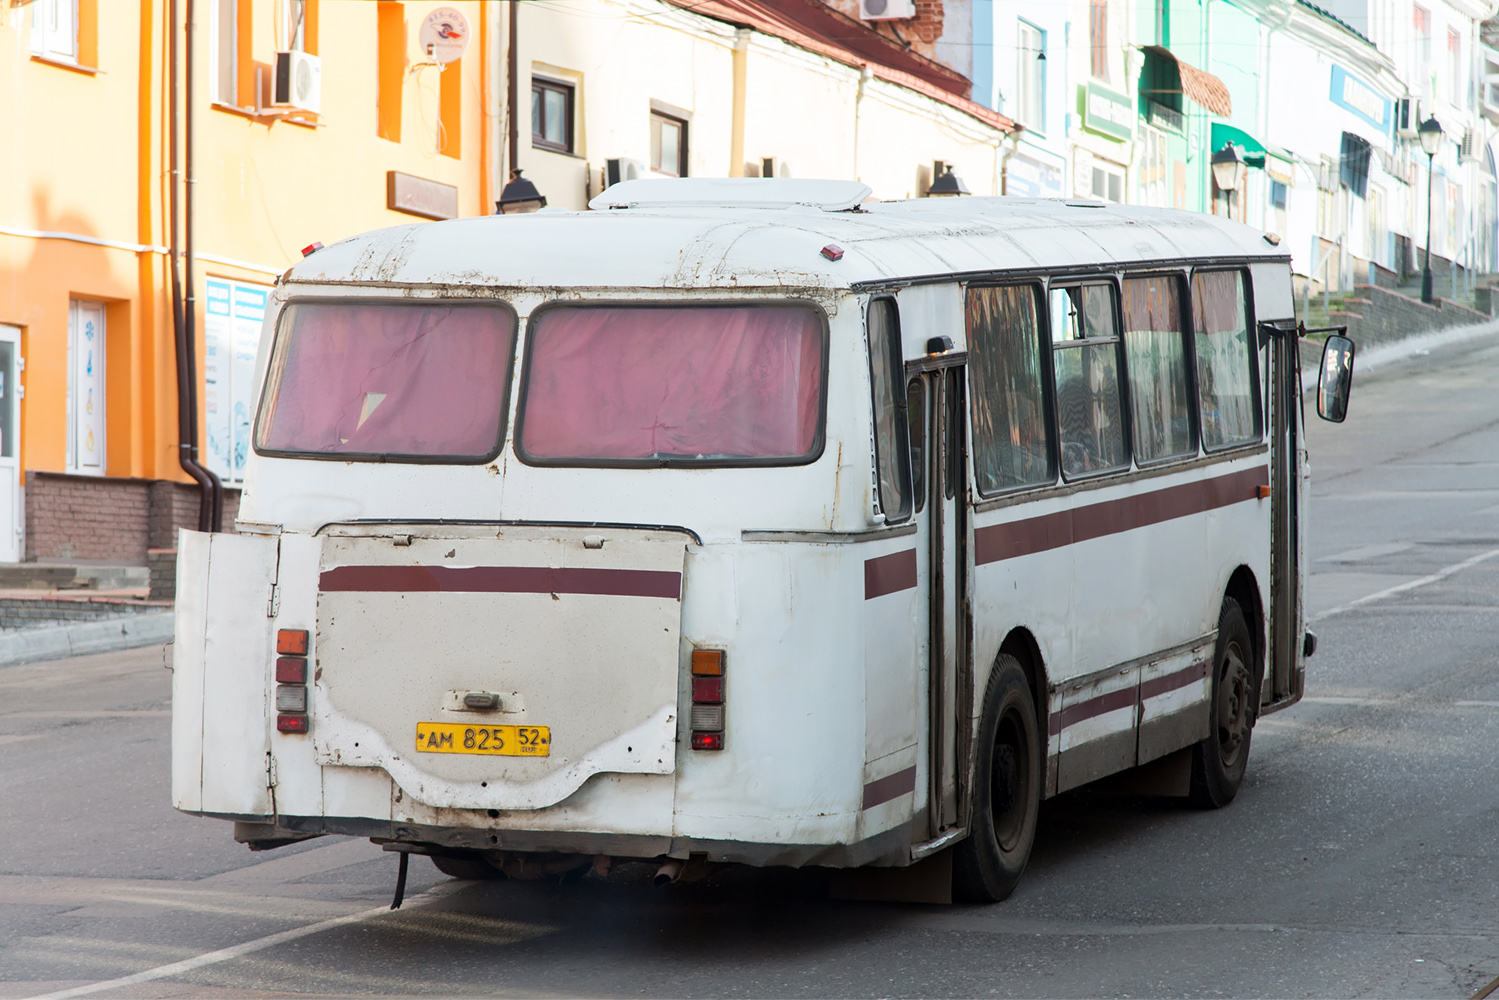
(1359, 860)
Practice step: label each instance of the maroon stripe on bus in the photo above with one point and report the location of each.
(1066, 527)
(1115, 700)
(891, 786)
(1157, 686)
(888, 574)
(502, 580)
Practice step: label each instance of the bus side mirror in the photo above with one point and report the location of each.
(1335, 382)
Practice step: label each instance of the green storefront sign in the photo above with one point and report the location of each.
(1108, 113)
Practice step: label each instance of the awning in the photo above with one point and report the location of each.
(1201, 86)
(1275, 162)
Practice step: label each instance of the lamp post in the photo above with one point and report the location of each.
(1229, 169)
(1431, 141)
(520, 196)
(949, 185)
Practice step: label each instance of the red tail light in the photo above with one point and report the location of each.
(291, 723)
(707, 718)
(291, 680)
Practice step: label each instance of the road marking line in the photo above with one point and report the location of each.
(1401, 588)
(1477, 704)
(19, 737)
(249, 947)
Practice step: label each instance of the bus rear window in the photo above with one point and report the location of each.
(388, 382)
(644, 385)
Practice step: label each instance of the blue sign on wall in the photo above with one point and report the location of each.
(1353, 94)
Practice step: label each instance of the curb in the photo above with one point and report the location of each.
(33, 645)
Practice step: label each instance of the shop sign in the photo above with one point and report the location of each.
(1353, 94)
(1108, 113)
(1031, 177)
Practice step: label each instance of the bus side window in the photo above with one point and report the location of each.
(1011, 435)
(1225, 389)
(916, 411)
(891, 449)
(1155, 355)
(1085, 354)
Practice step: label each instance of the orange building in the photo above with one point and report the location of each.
(361, 128)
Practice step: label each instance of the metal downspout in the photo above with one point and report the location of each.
(211, 491)
(736, 126)
(865, 75)
(512, 83)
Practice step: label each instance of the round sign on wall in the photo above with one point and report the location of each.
(444, 35)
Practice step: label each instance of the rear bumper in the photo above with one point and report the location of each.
(892, 847)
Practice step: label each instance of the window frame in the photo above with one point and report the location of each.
(900, 462)
(1183, 279)
(376, 458)
(517, 431)
(1040, 295)
(1126, 410)
(1098, 40)
(665, 117)
(1252, 335)
(41, 43)
(1034, 121)
(539, 86)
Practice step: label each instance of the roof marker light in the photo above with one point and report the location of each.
(832, 252)
(311, 249)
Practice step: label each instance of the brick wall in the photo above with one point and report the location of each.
(1375, 315)
(109, 519)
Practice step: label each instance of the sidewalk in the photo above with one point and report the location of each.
(57, 642)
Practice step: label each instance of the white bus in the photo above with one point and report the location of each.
(751, 521)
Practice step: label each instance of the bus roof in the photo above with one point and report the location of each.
(766, 243)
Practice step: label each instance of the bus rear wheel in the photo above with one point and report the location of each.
(1006, 789)
(1219, 760)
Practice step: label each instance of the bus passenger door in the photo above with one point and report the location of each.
(939, 465)
(1283, 676)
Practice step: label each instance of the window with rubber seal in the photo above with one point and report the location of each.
(388, 381)
(1225, 370)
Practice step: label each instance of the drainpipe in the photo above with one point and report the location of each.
(1002, 160)
(210, 503)
(736, 127)
(866, 73)
(512, 72)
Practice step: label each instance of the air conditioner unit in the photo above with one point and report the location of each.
(886, 10)
(623, 169)
(1407, 117)
(1468, 149)
(299, 82)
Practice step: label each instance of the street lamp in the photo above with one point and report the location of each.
(519, 196)
(1431, 141)
(949, 185)
(1229, 168)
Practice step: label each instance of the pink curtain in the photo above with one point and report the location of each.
(389, 379)
(641, 382)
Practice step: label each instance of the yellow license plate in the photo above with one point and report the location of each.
(503, 741)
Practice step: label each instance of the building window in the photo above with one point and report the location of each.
(54, 29)
(1030, 82)
(85, 444)
(1422, 18)
(224, 52)
(668, 145)
(231, 333)
(1098, 38)
(1153, 168)
(291, 27)
(1108, 185)
(1455, 67)
(551, 115)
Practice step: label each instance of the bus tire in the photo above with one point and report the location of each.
(1218, 760)
(1006, 789)
(470, 868)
